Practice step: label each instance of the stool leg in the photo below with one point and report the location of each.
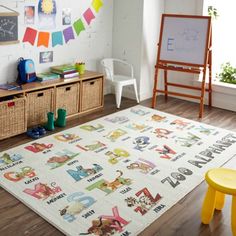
(208, 206)
(233, 216)
(220, 201)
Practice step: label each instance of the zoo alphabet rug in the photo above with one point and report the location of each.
(117, 174)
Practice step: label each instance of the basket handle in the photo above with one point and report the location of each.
(40, 94)
(68, 88)
(11, 104)
(92, 83)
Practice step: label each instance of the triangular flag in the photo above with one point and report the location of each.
(78, 26)
(88, 16)
(97, 4)
(30, 35)
(57, 38)
(43, 39)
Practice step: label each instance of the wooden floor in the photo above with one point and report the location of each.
(182, 219)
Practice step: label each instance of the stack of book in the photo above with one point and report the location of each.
(65, 71)
(46, 76)
(10, 87)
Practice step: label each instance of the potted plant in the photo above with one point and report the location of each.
(228, 73)
(212, 11)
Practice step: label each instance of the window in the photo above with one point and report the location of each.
(223, 33)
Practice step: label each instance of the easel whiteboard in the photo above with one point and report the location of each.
(184, 39)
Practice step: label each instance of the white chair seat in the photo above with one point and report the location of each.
(119, 80)
(123, 79)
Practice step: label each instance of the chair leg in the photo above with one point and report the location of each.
(118, 91)
(208, 206)
(233, 215)
(136, 91)
(220, 201)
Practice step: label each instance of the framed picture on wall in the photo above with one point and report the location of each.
(29, 15)
(8, 26)
(46, 57)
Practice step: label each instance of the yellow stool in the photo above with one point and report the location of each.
(221, 181)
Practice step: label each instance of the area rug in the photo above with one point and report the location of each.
(116, 174)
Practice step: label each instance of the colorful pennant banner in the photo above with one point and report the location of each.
(30, 35)
(43, 39)
(88, 16)
(68, 33)
(78, 26)
(97, 4)
(57, 38)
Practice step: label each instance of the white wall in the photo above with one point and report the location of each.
(151, 26)
(135, 36)
(93, 44)
(127, 34)
(181, 6)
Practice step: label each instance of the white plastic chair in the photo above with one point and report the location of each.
(118, 81)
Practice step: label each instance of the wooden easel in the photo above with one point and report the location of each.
(181, 65)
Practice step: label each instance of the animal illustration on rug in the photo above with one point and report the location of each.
(91, 171)
(91, 147)
(188, 141)
(165, 152)
(72, 209)
(107, 225)
(66, 137)
(61, 158)
(143, 165)
(6, 159)
(117, 155)
(158, 118)
(26, 171)
(204, 130)
(43, 191)
(115, 184)
(82, 172)
(77, 202)
(118, 119)
(180, 124)
(110, 186)
(138, 127)
(102, 227)
(58, 159)
(143, 201)
(139, 112)
(141, 142)
(162, 133)
(91, 128)
(114, 135)
(38, 147)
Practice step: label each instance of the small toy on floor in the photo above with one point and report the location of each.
(36, 132)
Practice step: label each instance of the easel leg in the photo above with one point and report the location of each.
(210, 91)
(202, 94)
(166, 86)
(210, 80)
(154, 96)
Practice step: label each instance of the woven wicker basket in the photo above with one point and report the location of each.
(91, 94)
(13, 117)
(38, 105)
(67, 97)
